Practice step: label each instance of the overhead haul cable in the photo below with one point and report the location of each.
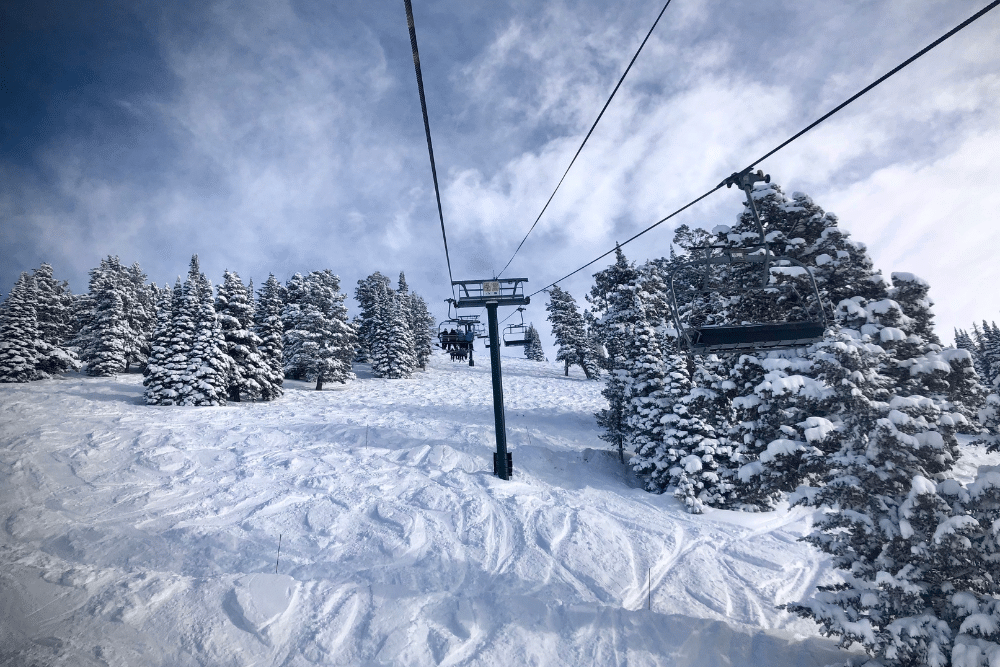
(812, 125)
(591, 131)
(427, 129)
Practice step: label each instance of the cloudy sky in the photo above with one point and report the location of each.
(285, 135)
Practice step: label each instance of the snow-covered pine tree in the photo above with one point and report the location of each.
(706, 414)
(293, 322)
(55, 317)
(612, 298)
(323, 341)
(921, 366)
(140, 315)
(55, 307)
(422, 324)
(408, 362)
(594, 355)
(120, 332)
(208, 366)
(881, 512)
(392, 342)
(19, 339)
(964, 341)
(184, 308)
(568, 330)
(991, 355)
(647, 399)
(533, 350)
(267, 326)
(777, 433)
(251, 375)
(973, 557)
(663, 456)
(163, 378)
(366, 294)
(293, 318)
(982, 363)
(106, 351)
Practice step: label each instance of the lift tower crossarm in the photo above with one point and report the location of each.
(501, 291)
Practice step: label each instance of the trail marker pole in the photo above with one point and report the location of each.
(279, 555)
(649, 589)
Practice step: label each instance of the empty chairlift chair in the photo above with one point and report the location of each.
(697, 282)
(516, 334)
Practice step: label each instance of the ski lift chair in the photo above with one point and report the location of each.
(697, 337)
(516, 334)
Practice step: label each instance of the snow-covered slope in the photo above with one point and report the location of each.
(136, 535)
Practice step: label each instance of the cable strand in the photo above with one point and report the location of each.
(584, 143)
(427, 131)
(785, 143)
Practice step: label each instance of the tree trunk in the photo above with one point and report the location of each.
(319, 382)
(234, 394)
(567, 368)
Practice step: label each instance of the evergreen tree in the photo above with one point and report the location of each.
(115, 333)
(319, 340)
(55, 307)
(964, 341)
(881, 512)
(163, 378)
(293, 320)
(19, 338)
(140, 315)
(568, 330)
(971, 553)
(533, 350)
(663, 458)
(704, 415)
(179, 342)
(268, 327)
(53, 312)
(991, 355)
(251, 375)
(209, 368)
(391, 349)
(366, 294)
(982, 363)
(613, 300)
(611, 295)
(422, 324)
(106, 348)
(594, 353)
(647, 400)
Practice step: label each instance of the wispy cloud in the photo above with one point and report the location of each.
(287, 137)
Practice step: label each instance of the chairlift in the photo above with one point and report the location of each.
(699, 333)
(457, 334)
(516, 334)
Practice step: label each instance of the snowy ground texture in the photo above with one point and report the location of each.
(136, 535)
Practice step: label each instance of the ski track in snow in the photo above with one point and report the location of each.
(137, 535)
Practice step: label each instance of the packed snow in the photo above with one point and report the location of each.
(146, 535)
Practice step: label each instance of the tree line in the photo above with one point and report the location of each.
(202, 346)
